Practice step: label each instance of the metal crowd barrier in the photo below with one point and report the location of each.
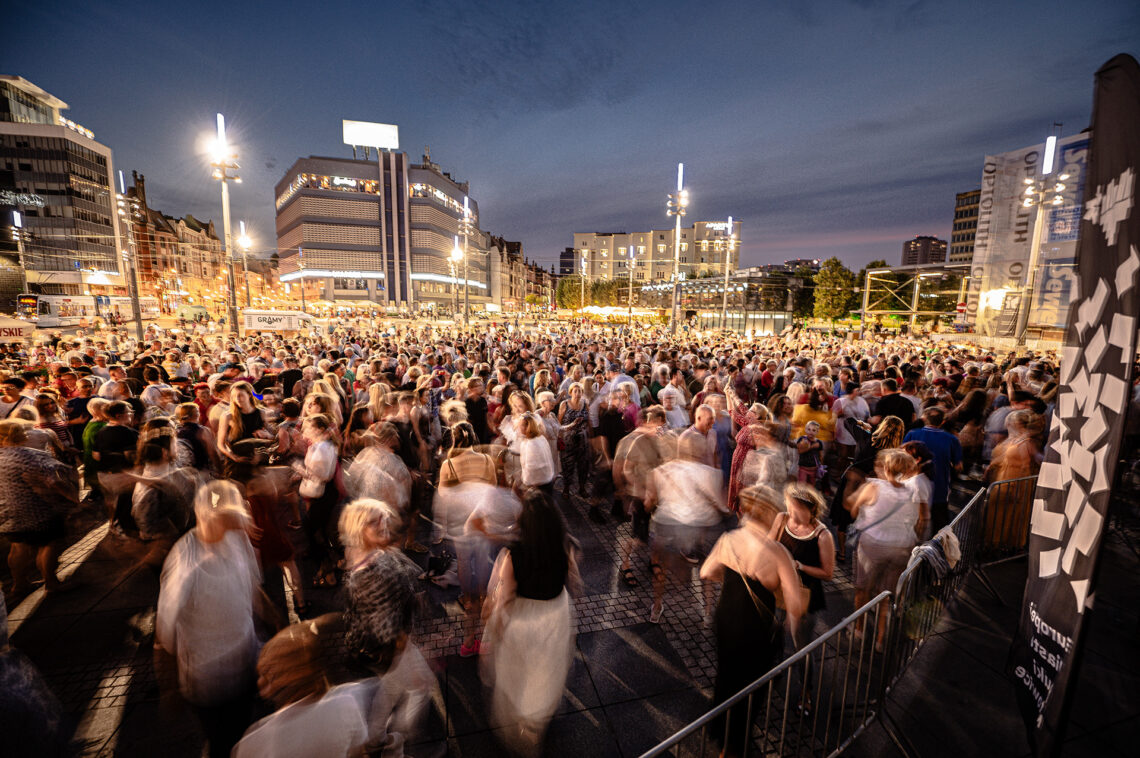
(815, 703)
(1009, 505)
(819, 700)
(924, 589)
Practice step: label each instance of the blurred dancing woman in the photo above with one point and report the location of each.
(528, 635)
(887, 436)
(205, 617)
(574, 416)
(479, 517)
(754, 569)
(319, 488)
(37, 491)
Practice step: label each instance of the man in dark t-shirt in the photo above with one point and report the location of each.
(289, 377)
(892, 403)
(114, 452)
(477, 410)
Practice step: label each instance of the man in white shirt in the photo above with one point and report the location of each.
(702, 436)
(675, 414)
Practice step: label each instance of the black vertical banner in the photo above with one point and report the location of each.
(1071, 502)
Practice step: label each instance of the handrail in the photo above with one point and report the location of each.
(783, 667)
(913, 610)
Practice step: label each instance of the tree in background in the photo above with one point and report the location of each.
(569, 292)
(833, 288)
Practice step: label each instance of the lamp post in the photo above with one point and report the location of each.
(18, 235)
(466, 228)
(128, 209)
(582, 281)
(1037, 191)
(245, 243)
(453, 259)
(225, 161)
(676, 207)
(727, 264)
(632, 250)
(301, 268)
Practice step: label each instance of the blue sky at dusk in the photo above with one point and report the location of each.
(830, 128)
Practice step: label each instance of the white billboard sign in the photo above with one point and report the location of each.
(276, 321)
(369, 134)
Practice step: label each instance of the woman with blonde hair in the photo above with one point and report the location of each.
(207, 602)
(809, 542)
(868, 444)
(754, 569)
(376, 570)
(888, 520)
(536, 464)
(1019, 456)
(378, 401)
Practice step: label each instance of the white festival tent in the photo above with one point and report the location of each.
(14, 330)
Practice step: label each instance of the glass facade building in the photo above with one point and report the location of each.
(379, 231)
(59, 179)
(756, 303)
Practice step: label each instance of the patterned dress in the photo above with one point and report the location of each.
(576, 446)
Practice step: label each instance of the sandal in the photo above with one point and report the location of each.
(655, 613)
(628, 578)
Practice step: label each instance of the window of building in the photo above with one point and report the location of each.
(660, 248)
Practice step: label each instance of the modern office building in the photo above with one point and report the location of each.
(923, 250)
(377, 231)
(567, 260)
(61, 182)
(965, 226)
(704, 251)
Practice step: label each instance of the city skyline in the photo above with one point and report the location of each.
(849, 144)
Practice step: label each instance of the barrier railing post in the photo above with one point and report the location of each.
(848, 690)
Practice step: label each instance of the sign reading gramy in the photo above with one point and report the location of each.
(369, 134)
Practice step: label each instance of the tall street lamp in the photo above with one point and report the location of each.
(678, 201)
(466, 228)
(18, 235)
(727, 264)
(129, 209)
(630, 263)
(453, 259)
(245, 243)
(225, 161)
(582, 280)
(1039, 191)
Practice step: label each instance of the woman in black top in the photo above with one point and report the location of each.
(812, 548)
(528, 634)
(242, 424)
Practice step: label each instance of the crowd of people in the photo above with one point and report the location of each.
(363, 464)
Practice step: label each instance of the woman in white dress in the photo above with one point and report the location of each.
(205, 617)
(528, 640)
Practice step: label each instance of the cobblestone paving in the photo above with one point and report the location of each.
(93, 647)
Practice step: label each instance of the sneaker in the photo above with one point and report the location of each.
(466, 651)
